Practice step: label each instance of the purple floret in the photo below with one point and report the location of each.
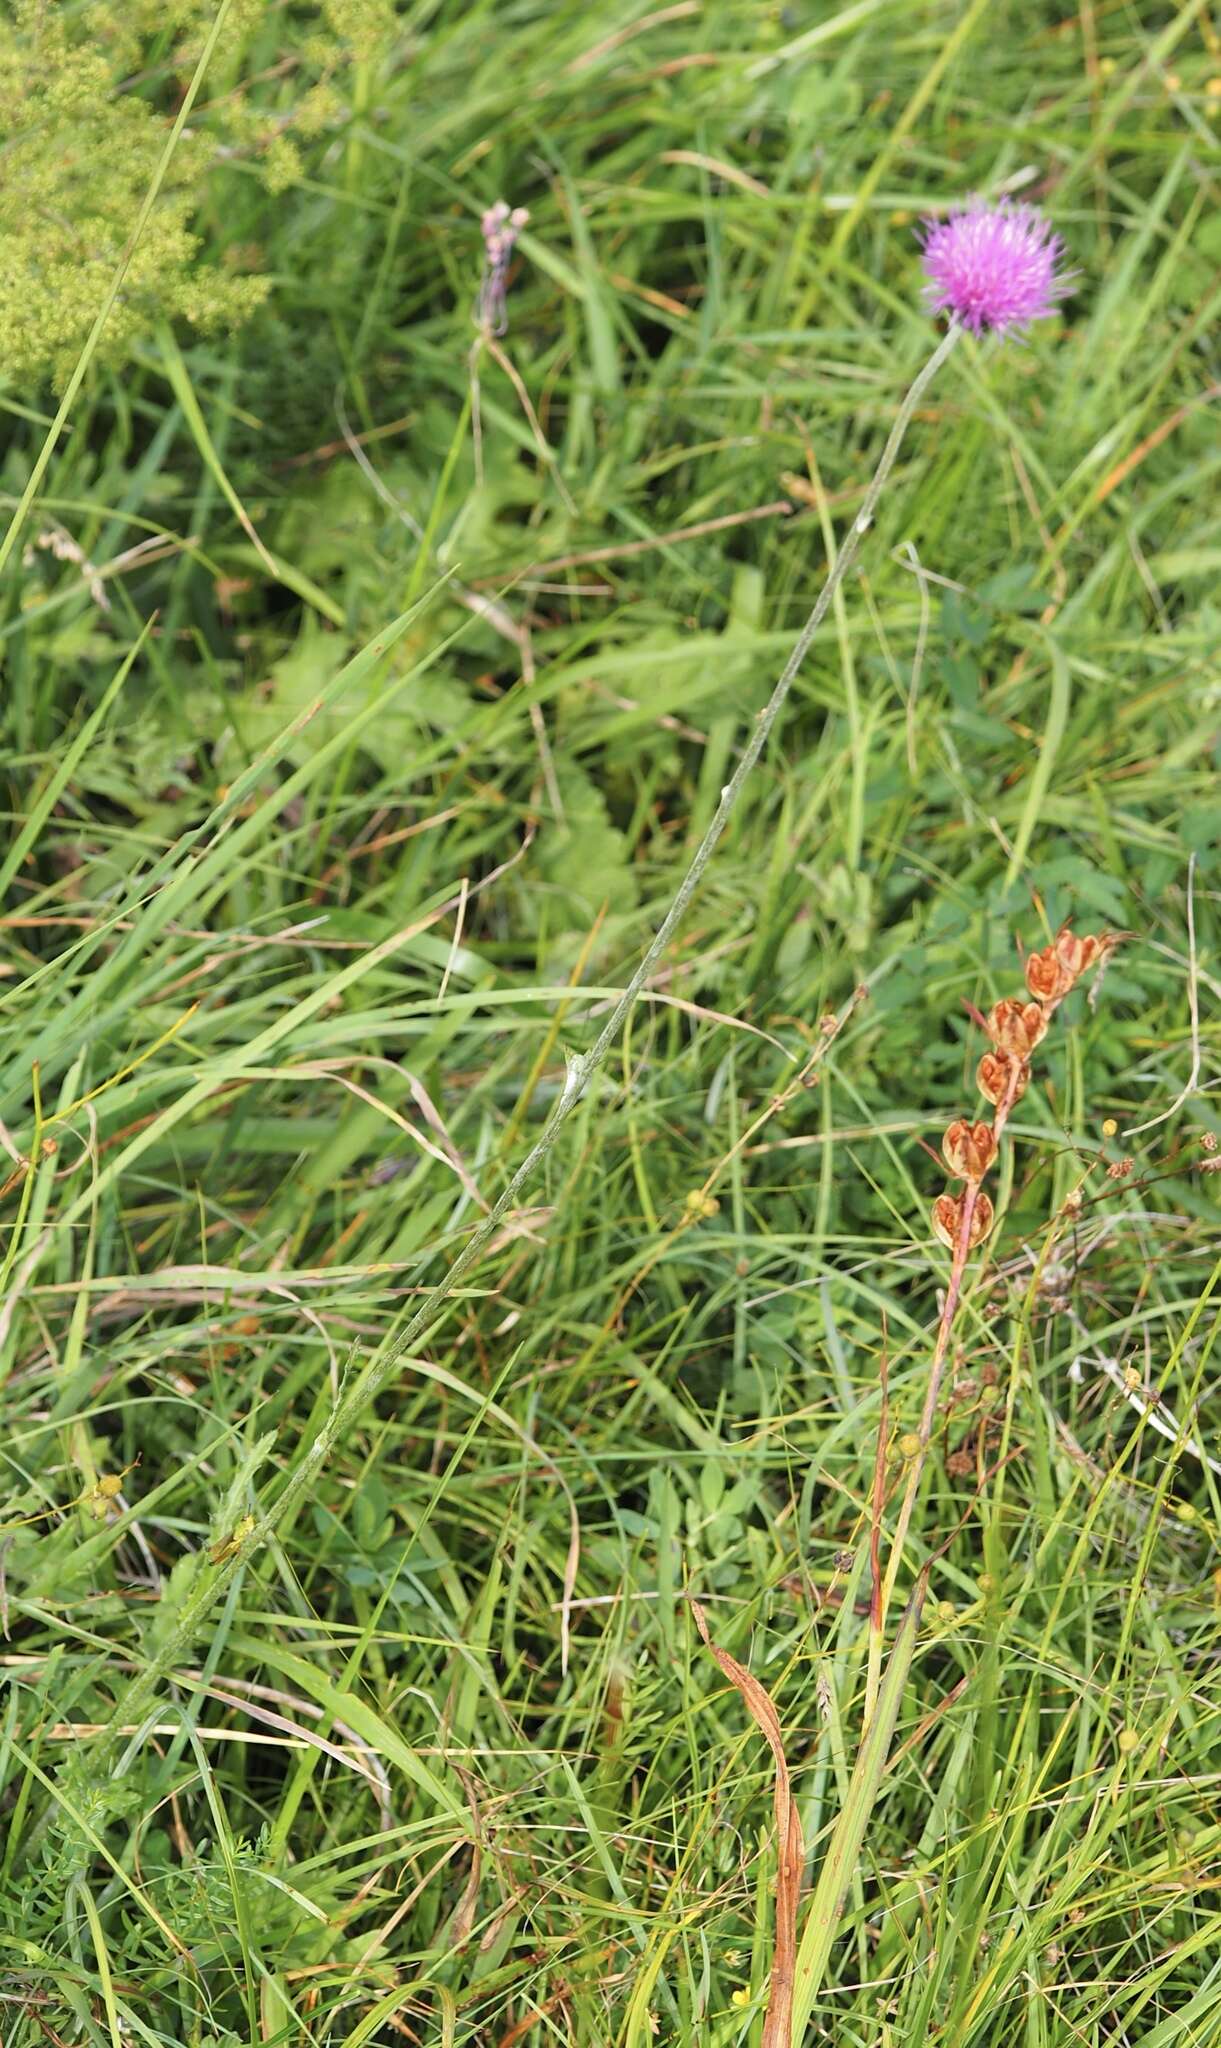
(993, 266)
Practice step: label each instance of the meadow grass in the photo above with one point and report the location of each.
(350, 817)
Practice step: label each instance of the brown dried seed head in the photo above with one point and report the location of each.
(947, 1218)
(1016, 1027)
(1076, 955)
(1002, 1078)
(1047, 978)
(969, 1149)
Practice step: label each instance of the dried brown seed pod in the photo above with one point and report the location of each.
(1016, 1027)
(947, 1218)
(1002, 1078)
(1076, 955)
(968, 1149)
(1047, 978)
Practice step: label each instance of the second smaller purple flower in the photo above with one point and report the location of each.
(500, 227)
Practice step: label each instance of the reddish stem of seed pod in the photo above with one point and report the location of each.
(962, 1221)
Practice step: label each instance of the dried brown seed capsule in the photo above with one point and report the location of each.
(1047, 978)
(1076, 955)
(1016, 1027)
(947, 1218)
(968, 1149)
(1002, 1078)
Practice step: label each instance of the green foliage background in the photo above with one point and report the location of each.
(302, 911)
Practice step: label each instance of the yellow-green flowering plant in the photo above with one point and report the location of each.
(87, 97)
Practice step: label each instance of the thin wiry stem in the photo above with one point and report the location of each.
(941, 1348)
(140, 1694)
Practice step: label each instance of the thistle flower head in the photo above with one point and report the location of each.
(993, 266)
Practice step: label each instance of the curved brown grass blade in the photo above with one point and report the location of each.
(790, 1853)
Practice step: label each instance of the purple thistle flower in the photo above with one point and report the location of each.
(993, 266)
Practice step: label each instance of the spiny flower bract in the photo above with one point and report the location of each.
(993, 266)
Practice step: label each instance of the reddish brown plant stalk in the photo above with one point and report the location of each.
(962, 1221)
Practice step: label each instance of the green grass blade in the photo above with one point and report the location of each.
(848, 1834)
(1036, 792)
(66, 767)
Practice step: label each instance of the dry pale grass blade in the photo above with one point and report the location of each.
(790, 1854)
(621, 551)
(848, 1834)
